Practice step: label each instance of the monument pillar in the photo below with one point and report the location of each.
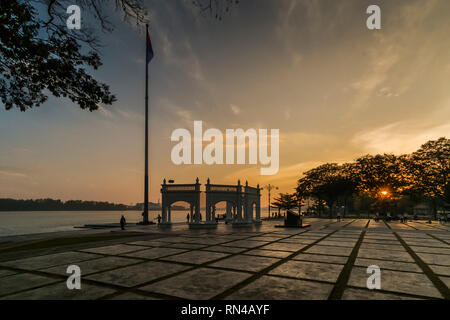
(258, 205)
(229, 213)
(239, 201)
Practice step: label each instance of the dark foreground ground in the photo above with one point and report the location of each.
(329, 260)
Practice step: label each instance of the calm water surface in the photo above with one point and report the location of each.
(28, 222)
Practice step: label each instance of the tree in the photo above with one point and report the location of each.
(285, 201)
(327, 182)
(385, 181)
(430, 170)
(215, 8)
(385, 174)
(384, 178)
(39, 54)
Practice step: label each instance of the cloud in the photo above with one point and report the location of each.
(105, 112)
(11, 172)
(387, 92)
(235, 109)
(399, 137)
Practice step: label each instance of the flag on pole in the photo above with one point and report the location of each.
(149, 48)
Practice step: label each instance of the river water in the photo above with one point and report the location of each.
(28, 222)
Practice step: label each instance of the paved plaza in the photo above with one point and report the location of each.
(328, 260)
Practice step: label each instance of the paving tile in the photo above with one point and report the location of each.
(5, 273)
(132, 296)
(397, 281)
(268, 238)
(196, 257)
(247, 263)
(245, 243)
(186, 245)
(345, 236)
(198, 284)
(92, 266)
(414, 236)
(288, 232)
(297, 241)
(284, 246)
(59, 291)
(338, 251)
(155, 253)
(309, 270)
(440, 270)
(379, 241)
(338, 243)
(115, 249)
(224, 249)
(431, 244)
(321, 258)
(269, 253)
(359, 294)
(205, 241)
(369, 235)
(282, 289)
(303, 237)
(396, 247)
(50, 260)
(179, 239)
(23, 281)
(138, 274)
(446, 280)
(149, 243)
(432, 258)
(385, 255)
(431, 250)
(384, 264)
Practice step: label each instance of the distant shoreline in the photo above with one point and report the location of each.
(48, 204)
(74, 210)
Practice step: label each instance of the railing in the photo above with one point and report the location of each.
(251, 190)
(189, 187)
(223, 188)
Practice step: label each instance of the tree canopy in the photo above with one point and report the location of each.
(382, 178)
(40, 55)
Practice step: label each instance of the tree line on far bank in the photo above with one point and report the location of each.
(58, 205)
(377, 183)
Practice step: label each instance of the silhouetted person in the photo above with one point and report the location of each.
(388, 216)
(122, 223)
(159, 218)
(187, 218)
(200, 217)
(339, 217)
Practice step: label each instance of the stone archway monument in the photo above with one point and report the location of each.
(239, 202)
(171, 193)
(252, 198)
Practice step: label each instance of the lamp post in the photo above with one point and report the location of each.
(269, 188)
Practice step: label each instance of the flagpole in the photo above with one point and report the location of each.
(145, 213)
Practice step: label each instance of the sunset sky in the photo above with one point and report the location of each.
(309, 68)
